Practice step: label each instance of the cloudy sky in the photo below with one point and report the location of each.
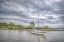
(51, 12)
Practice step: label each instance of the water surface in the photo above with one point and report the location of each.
(27, 36)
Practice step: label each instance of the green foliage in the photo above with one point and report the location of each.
(10, 26)
(4, 25)
(32, 24)
(46, 28)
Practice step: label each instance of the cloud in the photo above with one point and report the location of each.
(51, 12)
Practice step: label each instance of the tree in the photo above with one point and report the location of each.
(46, 27)
(32, 24)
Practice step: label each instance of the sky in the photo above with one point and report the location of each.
(51, 12)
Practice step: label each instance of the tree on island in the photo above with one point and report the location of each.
(32, 24)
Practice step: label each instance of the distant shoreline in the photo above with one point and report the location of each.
(12, 26)
(27, 29)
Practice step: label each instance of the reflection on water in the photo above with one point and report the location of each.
(27, 36)
(41, 38)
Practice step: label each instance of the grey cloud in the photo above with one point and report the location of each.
(50, 11)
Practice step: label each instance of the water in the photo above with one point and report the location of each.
(26, 36)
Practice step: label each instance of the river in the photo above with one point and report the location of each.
(27, 36)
